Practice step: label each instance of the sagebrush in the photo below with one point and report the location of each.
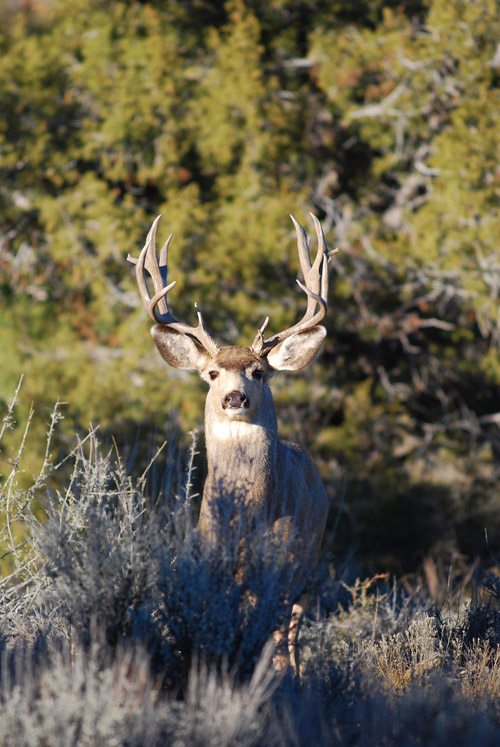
(119, 627)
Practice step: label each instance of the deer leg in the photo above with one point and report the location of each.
(288, 637)
(280, 658)
(298, 610)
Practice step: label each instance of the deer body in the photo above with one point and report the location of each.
(278, 481)
(269, 480)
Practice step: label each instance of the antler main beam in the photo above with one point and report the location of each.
(315, 286)
(157, 305)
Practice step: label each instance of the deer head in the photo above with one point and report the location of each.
(237, 375)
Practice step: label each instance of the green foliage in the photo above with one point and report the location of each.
(380, 117)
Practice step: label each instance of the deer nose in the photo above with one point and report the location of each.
(235, 399)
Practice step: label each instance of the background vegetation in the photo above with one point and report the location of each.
(382, 119)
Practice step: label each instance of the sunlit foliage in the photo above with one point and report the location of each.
(382, 119)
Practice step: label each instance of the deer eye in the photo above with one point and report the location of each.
(257, 374)
(213, 374)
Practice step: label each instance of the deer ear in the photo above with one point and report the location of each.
(296, 351)
(179, 350)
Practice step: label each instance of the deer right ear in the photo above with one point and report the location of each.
(178, 349)
(297, 351)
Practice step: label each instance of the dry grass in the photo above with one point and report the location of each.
(119, 628)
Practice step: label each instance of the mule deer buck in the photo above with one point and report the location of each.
(245, 456)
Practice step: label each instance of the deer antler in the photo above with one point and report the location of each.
(316, 288)
(162, 315)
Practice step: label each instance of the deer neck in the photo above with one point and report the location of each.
(242, 453)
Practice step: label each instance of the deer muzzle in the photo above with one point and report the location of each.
(235, 400)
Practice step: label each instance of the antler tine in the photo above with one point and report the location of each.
(315, 287)
(258, 343)
(310, 271)
(322, 247)
(157, 272)
(157, 305)
(302, 247)
(323, 256)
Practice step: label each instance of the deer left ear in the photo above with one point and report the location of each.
(296, 351)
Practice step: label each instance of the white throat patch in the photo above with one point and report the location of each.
(226, 430)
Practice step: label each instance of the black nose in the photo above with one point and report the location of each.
(235, 399)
